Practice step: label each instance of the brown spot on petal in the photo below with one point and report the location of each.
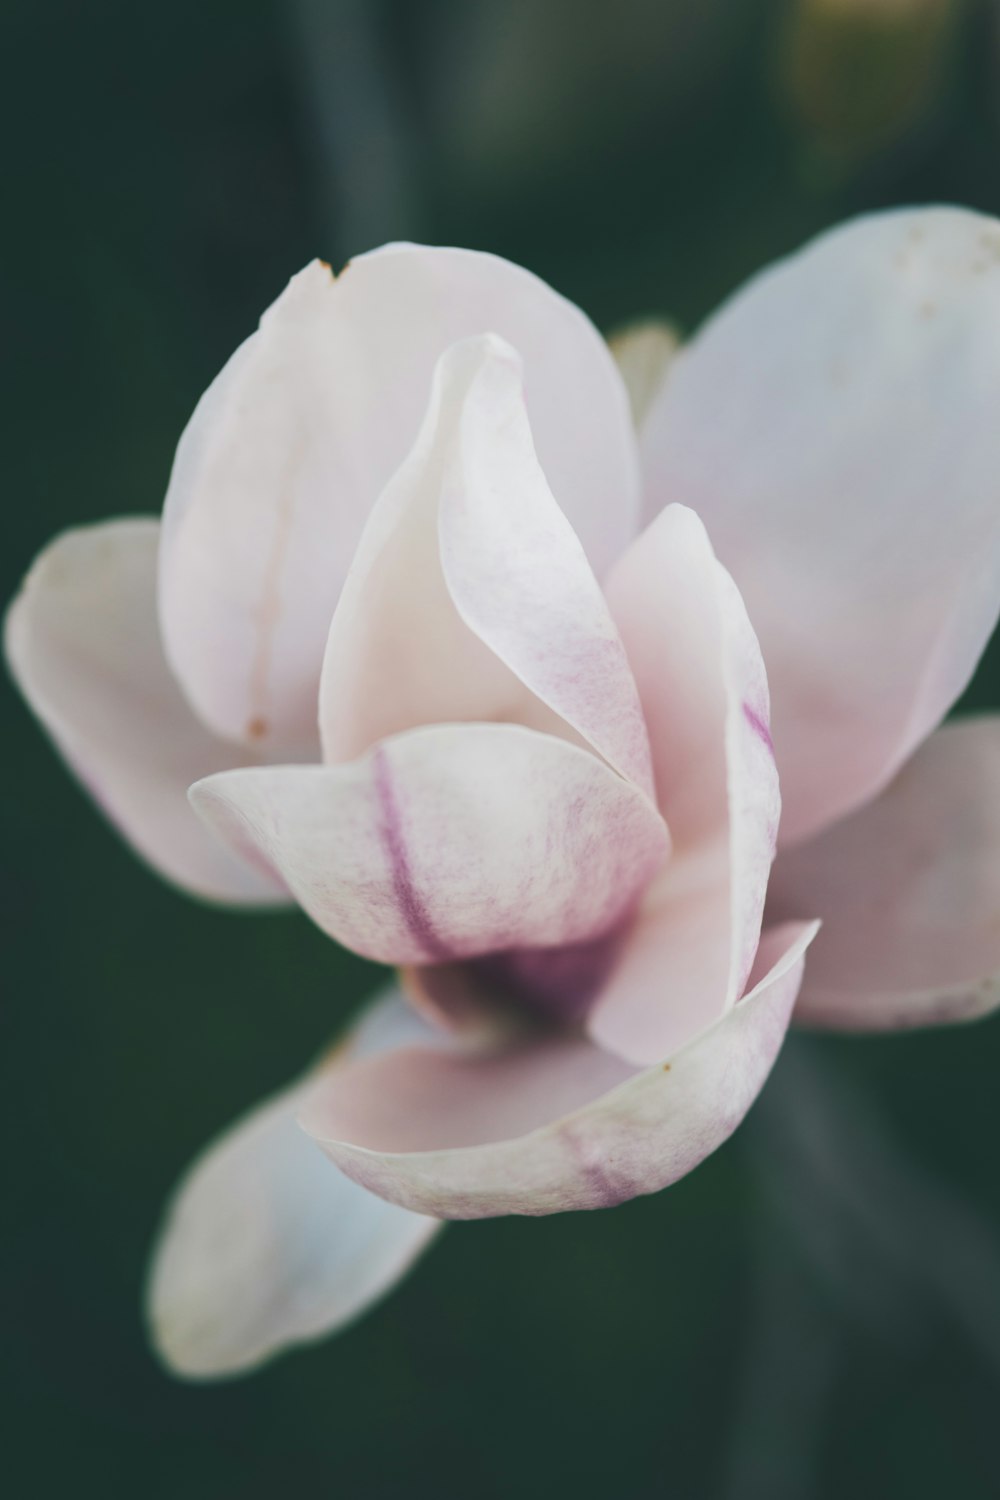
(271, 600)
(666, 1067)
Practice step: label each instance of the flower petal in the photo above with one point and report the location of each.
(289, 448)
(704, 694)
(83, 646)
(470, 596)
(909, 892)
(267, 1245)
(673, 977)
(835, 427)
(536, 1129)
(449, 841)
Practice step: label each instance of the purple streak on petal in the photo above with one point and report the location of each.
(759, 726)
(607, 1190)
(411, 904)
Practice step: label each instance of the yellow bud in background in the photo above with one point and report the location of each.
(859, 73)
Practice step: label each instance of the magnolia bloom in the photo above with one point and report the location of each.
(446, 646)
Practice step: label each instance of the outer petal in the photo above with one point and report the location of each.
(82, 643)
(704, 694)
(555, 1126)
(449, 841)
(835, 426)
(288, 450)
(470, 596)
(267, 1245)
(909, 892)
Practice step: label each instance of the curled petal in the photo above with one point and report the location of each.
(705, 698)
(835, 427)
(449, 841)
(266, 1245)
(470, 596)
(83, 646)
(289, 448)
(909, 892)
(556, 1124)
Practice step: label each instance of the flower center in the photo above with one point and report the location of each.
(554, 984)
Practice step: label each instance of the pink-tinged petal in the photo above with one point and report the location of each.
(705, 698)
(449, 841)
(428, 299)
(83, 646)
(290, 447)
(835, 426)
(674, 975)
(553, 1124)
(267, 1245)
(470, 597)
(644, 353)
(908, 889)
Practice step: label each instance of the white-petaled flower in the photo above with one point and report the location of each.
(454, 655)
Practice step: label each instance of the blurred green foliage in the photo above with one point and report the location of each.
(167, 168)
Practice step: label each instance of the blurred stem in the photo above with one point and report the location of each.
(779, 1425)
(851, 1236)
(362, 146)
(884, 1232)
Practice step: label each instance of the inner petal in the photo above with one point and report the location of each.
(279, 466)
(470, 597)
(449, 842)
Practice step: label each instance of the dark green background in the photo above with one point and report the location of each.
(816, 1311)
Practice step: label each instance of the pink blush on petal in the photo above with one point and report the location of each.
(759, 727)
(411, 905)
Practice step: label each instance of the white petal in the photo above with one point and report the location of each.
(538, 1128)
(83, 646)
(450, 841)
(909, 892)
(266, 1244)
(470, 597)
(705, 698)
(835, 425)
(289, 449)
